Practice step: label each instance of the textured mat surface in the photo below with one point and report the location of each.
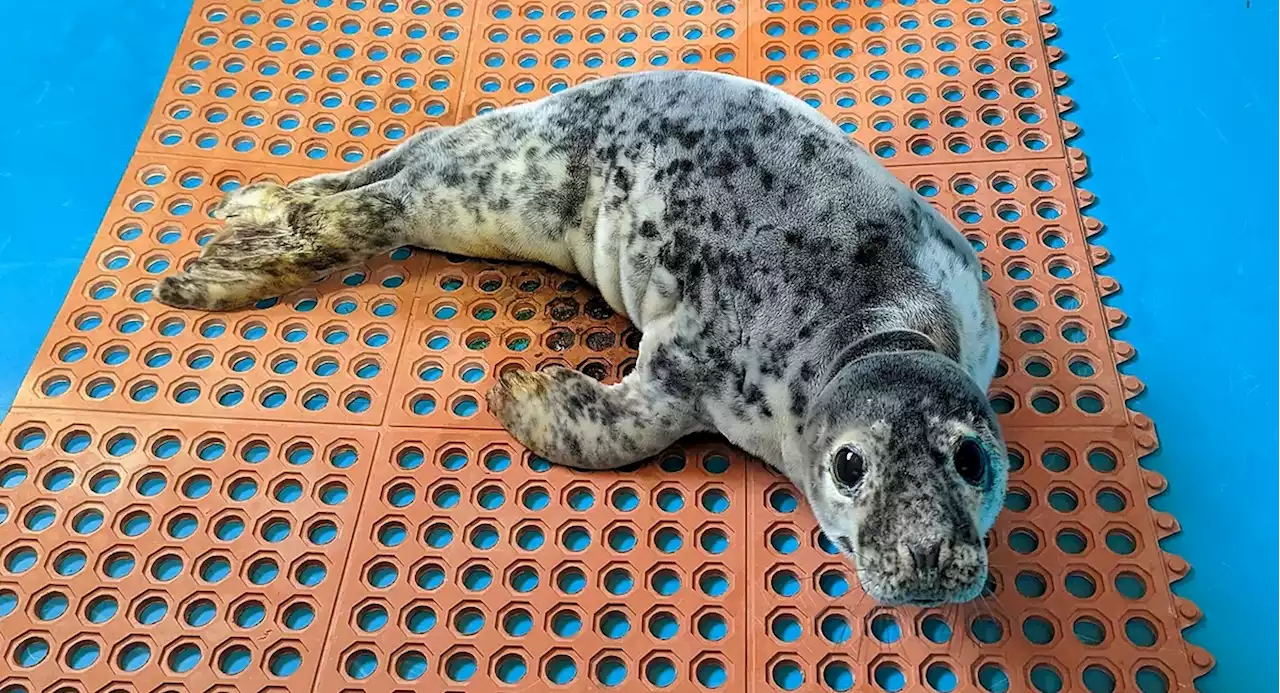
(309, 495)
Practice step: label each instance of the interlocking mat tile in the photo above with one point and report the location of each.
(310, 495)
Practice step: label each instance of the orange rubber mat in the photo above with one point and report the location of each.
(310, 495)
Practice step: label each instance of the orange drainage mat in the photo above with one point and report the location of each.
(309, 495)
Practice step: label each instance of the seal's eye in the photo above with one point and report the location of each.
(848, 468)
(971, 461)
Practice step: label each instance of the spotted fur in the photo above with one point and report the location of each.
(794, 296)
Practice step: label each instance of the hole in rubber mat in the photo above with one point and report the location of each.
(51, 606)
(1046, 679)
(361, 664)
(940, 677)
(1098, 679)
(1089, 631)
(199, 613)
(133, 656)
(101, 609)
(82, 655)
(1038, 630)
(936, 629)
(838, 676)
(889, 676)
(986, 629)
(611, 671)
(1080, 585)
(31, 652)
(1149, 679)
(517, 623)
(993, 678)
(149, 611)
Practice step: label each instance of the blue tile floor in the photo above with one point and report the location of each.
(1178, 103)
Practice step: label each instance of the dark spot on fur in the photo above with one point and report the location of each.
(453, 176)
(689, 138)
(724, 166)
(766, 179)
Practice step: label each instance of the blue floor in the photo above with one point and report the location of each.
(1178, 103)
(78, 88)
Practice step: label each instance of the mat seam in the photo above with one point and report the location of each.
(342, 582)
(404, 346)
(462, 90)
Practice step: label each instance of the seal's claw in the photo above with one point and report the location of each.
(514, 390)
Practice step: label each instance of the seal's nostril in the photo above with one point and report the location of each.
(926, 557)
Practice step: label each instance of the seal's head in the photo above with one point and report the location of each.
(907, 473)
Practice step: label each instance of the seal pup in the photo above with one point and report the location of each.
(793, 295)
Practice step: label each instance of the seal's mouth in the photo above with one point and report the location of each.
(896, 588)
(930, 598)
(916, 600)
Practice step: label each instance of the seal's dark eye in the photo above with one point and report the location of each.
(971, 461)
(848, 468)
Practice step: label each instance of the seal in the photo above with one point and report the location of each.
(793, 296)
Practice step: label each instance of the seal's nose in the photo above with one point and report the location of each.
(926, 557)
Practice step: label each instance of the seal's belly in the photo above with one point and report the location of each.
(618, 253)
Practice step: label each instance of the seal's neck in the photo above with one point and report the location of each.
(898, 339)
(867, 332)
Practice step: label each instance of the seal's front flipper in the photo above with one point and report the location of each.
(573, 420)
